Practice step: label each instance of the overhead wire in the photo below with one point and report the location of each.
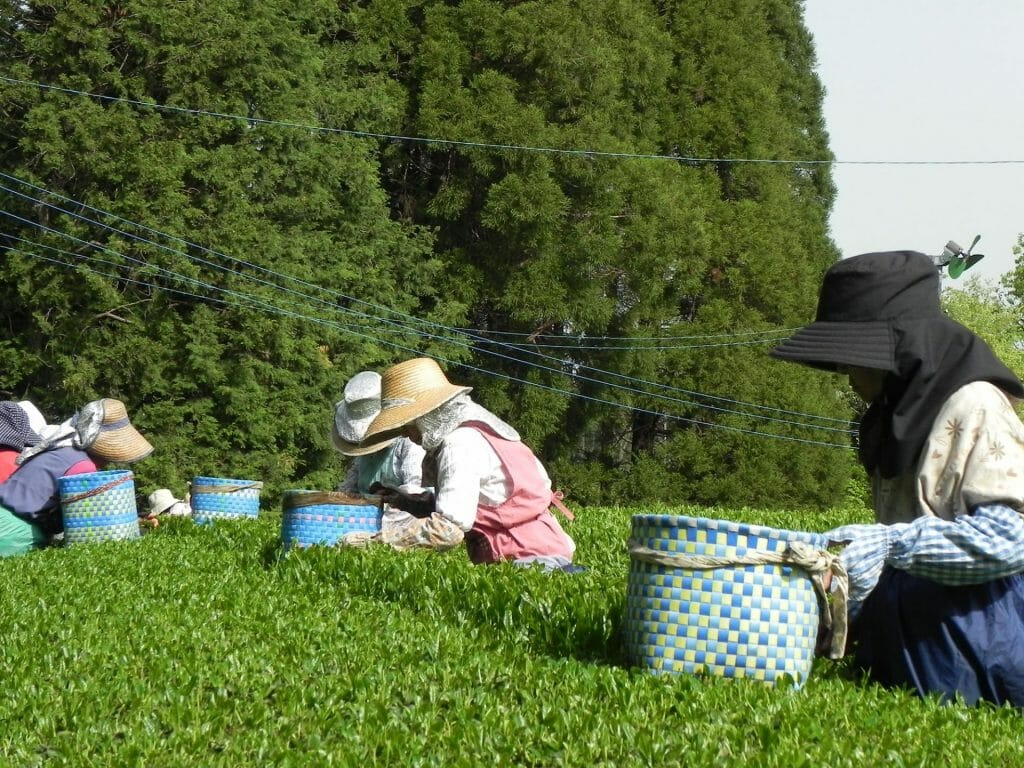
(641, 348)
(479, 339)
(601, 401)
(723, 335)
(348, 310)
(253, 301)
(589, 153)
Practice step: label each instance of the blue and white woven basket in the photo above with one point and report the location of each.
(99, 506)
(753, 621)
(219, 498)
(323, 517)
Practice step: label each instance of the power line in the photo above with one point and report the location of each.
(601, 401)
(584, 347)
(254, 301)
(411, 318)
(587, 153)
(725, 335)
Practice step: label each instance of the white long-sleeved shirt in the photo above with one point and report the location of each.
(469, 473)
(401, 470)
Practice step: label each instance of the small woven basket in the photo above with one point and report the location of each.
(323, 517)
(99, 506)
(219, 498)
(752, 621)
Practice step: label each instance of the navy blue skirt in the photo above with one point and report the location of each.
(950, 641)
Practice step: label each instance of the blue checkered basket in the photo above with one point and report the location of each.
(754, 621)
(99, 506)
(323, 517)
(219, 498)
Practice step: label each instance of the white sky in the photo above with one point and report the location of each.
(924, 80)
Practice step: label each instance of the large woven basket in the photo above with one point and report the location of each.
(751, 621)
(99, 506)
(323, 517)
(219, 498)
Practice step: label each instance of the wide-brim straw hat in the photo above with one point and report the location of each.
(118, 441)
(409, 390)
(347, 448)
(365, 448)
(355, 412)
(862, 300)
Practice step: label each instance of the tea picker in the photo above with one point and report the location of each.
(60, 489)
(937, 582)
(491, 492)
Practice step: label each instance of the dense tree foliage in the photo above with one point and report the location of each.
(1013, 282)
(615, 293)
(568, 250)
(237, 380)
(990, 313)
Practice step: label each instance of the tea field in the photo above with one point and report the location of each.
(204, 646)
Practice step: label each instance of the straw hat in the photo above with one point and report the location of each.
(409, 390)
(116, 439)
(353, 415)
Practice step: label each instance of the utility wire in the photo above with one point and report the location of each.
(638, 347)
(460, 364)
(588, 153)
(411, 318)
(574, 376)
(725, 335)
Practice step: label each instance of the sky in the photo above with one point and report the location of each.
(936, 80)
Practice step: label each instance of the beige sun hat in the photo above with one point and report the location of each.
(159, 501)
(353, 414)
(409, 390)
(116, 440)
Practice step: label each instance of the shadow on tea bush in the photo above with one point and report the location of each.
(556, 614)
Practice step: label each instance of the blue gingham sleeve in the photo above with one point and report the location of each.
(969, 549)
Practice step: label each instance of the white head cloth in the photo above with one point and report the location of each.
(442, 421)
(80, 431)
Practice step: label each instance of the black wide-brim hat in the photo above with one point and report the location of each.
(862, 301)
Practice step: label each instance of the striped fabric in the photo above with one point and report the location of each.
(969, 549)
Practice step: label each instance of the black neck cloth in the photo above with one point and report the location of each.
(934, 357)
(881, 311)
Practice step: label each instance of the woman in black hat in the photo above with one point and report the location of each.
(937, 585)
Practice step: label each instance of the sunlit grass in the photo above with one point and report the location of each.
(204, 646)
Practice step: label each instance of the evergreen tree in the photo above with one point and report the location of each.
(562, 247)
(230, 367)
(597, 286)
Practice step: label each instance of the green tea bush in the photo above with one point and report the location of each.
(206, 646)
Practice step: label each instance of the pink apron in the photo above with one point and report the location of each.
(521, 526)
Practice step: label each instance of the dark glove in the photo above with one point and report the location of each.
(421, 505)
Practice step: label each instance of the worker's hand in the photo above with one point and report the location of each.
(433, 532)
(358, 539)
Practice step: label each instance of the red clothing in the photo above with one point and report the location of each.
(32, 491)
(7, 465)
(522, 526)
(83, 467)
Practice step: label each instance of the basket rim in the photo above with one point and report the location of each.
(729, 526)
(108, 473)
